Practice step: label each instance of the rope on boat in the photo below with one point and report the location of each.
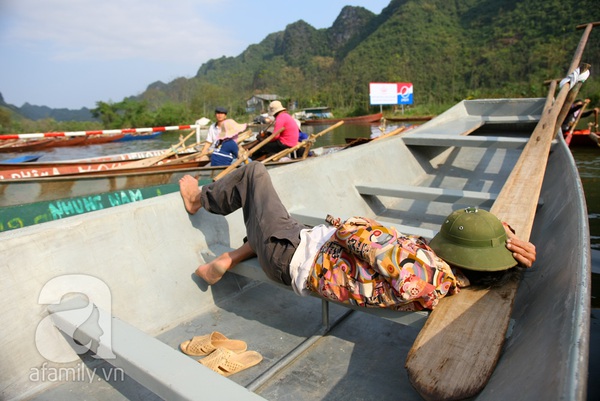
(574, 77)
(100, 132)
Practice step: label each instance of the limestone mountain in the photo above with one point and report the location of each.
(449, 50)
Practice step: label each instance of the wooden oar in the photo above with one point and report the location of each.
(153, 160)
(257, 141)
(241, 137)
(246, 155)
(570, 134)
(456, 352)
(391, 133)
(310, 140)
(361, 140)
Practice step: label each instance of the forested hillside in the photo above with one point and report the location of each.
(449, 50)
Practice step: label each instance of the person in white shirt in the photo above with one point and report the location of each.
(215, 129)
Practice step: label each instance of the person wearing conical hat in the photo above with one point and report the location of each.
(226, 148)
(287, 138)
(359, 261)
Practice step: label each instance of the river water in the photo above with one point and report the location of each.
(586, 158)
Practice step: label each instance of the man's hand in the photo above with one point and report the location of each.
(523, 251)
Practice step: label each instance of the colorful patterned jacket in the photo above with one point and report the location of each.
(370, 265)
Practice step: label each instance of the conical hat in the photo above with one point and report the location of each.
(230, 128)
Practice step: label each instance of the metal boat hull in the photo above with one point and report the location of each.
(145, 254)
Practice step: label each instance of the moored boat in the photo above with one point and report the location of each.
(100, 139)
(141, 255)
(582, 137)
(137, 155)
(19, 216)
(29, 145)
(29, 185)
(139, 137)
(409, 118)
(367, 119)
(21, 159)
(323, 116)
(66, 141)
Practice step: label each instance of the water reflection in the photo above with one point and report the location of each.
(588, 164)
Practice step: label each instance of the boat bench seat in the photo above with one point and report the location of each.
(447, 195)
(464, 126)
(426, 139)
(251, 269)
(163, 370)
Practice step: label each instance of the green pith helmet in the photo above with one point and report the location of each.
(473, 239)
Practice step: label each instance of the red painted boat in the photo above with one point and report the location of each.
(83, 140)
(24, 145)
(100, 139)
(582, 137)
(66, 141)
(58, 169)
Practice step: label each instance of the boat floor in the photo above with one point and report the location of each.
(278, 324)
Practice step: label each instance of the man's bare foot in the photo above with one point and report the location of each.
(212, 272)
(190, 193)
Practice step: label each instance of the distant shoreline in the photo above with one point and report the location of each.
(409, 118)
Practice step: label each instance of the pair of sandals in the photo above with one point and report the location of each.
(221, 354)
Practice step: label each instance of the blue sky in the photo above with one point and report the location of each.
(73, 53)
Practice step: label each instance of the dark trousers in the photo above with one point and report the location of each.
(272, 233)
(269, 149)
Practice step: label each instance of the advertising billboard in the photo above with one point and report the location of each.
(391, 93)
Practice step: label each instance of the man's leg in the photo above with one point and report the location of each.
(188, 187)
(213, 271)
(272, 234)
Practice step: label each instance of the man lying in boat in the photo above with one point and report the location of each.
(358, 261)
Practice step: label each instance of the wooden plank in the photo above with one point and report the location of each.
(457, 350)
(464, 141)
(447, 195)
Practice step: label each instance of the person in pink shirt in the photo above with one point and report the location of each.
(287, 138)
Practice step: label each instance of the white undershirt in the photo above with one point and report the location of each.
(311, 240)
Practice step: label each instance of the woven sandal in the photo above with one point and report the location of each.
(206, 344)
(226, 363)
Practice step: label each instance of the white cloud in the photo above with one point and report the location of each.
(114, 30)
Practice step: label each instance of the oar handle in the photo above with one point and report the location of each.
(391, 133)
(153, 160)
(511, 205)
(248, 154)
